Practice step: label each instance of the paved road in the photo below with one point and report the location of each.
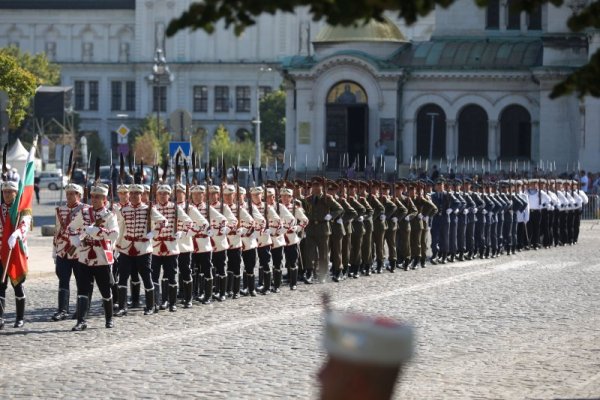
(525, 326)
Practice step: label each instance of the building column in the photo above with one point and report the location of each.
(492, 141)
(451, 140)
(409, 139)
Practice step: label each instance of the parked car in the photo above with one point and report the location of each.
(52, 180)
(78, 176)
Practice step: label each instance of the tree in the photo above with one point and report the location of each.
(241, 14)
(221, 143)
(150, 140)
(19, 85)
(272, 116)
(45, 72)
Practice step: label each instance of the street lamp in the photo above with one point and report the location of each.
(257, 121)
(160, 74)
(432, 115)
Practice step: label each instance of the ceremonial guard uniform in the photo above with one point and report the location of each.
(392, 231)
(278, 236)
(123, 194)
(581, 200)
(186, 247)
(234, 253)
(404, 226)
(165, 248)
(358, 229)
(428, 211)
(134, 246)
(538, 200)
(522, 218)
(254, 222)
(350, 214)
(293, 228)
(379, 227)
(23, 225)
(219, 223)
(366, 250)
(94, 231)
(265, 241)
(385, 222)
(338, 231)
(64, 253)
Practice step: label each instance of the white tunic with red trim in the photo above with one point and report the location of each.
(23, 225)
(200, 241)
(252, 224)
(133, 228)
(218, 224)
(264, 239)
(293, 228)
(62, 240)
(96, 249)
(165, 243)
(278, 231)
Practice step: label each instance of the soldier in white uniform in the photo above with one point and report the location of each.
(94, 231)
(277, 236)
(271, 219)
(220, 243)
(234, 253)
(581, 200)
(202, 246)
(253, 221)
(293, 226)
(538, 200)
(64, 253)
(184, 259)
(135, 246)
(522, 218)
(123, 194)
(23, 225)
(165, 248)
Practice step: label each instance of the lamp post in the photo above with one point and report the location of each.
(257, 121)
(432, 115)
(160, 74)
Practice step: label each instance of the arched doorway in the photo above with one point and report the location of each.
(515, 133)
(347, 126)
(431, 115)
(472, 132)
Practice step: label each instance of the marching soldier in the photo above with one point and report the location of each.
(429, 210)
(390, 234)
(23, 225)
(123, 194)
(65, 254)
(379, 226)
(350, 214)
(293, 229)
(220, 242)
(254, 223)
(234, 253)
(277, 235)
(404, 226)
(358, 229)
(338, 232)
(135, 246)
(94, 231)
(388, 212)
(538, 200)
(367, 242)
(320, 209)
(265, 241)
(581, 200)
(186, 247)
(165, 248)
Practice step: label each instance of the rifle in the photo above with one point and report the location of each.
(151, 199)
(177, 180)
(223, 181)
(187, 185)
(194, 176)
(110, 174)
(121, 169)
(248, 194)
(207, 181)
(260, 178)
(237, 191)
(4, 169)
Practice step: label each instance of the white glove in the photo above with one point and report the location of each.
(456, 211)
(426, 219)
(150, 235)
(474, 210)
(382, 217)
(54, 253)
(394, 219)
(190, 233)
(328, 217)
(12, 239)
(420, 216)
(484, 212)
(340, 221)
(361, 218)
(269, 231)
(465, 211)
(75, 240)
(225, 230)
(178, 235)
(210, 233)
(448, 211)
(242, 231)
(91, 230)
(407, 218)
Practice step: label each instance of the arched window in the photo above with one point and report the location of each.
(472, 132)
(515, 133)
(347, 92)
(431, 115)
(242, 134)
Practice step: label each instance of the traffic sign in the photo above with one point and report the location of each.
(184, 147)
(123, 130)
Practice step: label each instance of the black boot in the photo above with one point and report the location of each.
(251, 286)
(336, 275)
(63, 305)
(379, 266)
(180, 287)
(200, 283)
(293, 274)
(392, 266)
(266, 282)
(187, 294)
(307, 277)
(164, 294)
(244, 290)
(276, 280)
(156, 297)
(443, 258)
(149, 310)
(261, 277)
(108, 312)
(208, 289)
(223, 288)
(114, 294)
(229, 284)
(172, 298)
(461, 256)
(235, 292)
(122, 300)
(423, 262)
(20, 306)
(406, 263)
(415, 261)
(82, 310)
(2, 304)
(135, 294)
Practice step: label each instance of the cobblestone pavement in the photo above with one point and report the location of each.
(518, 327)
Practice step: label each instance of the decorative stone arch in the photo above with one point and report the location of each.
(242, 134)
(415, 104)
(467, 99)
(87, 32)
(530, 104)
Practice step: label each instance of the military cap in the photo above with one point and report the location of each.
(271, 191)
(136, 188)
(331, 185)
(256, 190)
(316, 180)
(369, 340)
(180, 187)
(122, 188)
(386, 186)
(229, 189)
(100, 188)
(214, 189)
(299, 182)
(73, 187)
(286, 191)
(242, 190)
(439, 180)
(164, 189)
(146, 188)
(198, 189)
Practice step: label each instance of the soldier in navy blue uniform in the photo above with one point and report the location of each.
(437, 222)
(454, 220)
(465, 220)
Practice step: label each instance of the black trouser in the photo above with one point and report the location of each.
(462, 233)
(479, 233)
(523, 236)
(249, 257)
(184, 266)
(533, 227)
(264, 258)
(203, 264)
(576, 223)
(234, 261)
(493, 236)
(169, 266)
(277, 256)
(65, 267)
(86, 276)
(19, 291)
(141, 264)
(500, 230)
(545, 228)
(570, 224)
(507, 227)
(291, 255)
(453, 233)
(556, 226)
(219, 259)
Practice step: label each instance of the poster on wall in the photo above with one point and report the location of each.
(387, 137)
(304, 133)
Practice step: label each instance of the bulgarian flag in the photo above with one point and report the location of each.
(15, 261)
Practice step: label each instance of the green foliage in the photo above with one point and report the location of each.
(156, 135)
(199, 140)
(19, 85)
(222, 144)
(96, 148)
(45, 72)
(272, 116)
(242, 14)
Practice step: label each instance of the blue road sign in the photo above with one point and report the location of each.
(184, 147)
